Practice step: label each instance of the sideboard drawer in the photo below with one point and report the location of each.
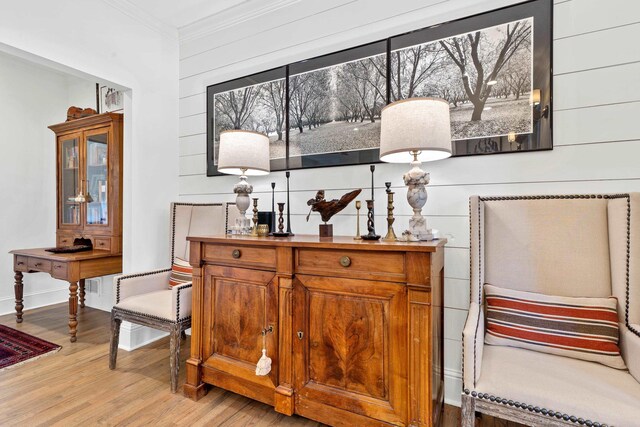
(37, 264)
(243, 256)
(345, 263)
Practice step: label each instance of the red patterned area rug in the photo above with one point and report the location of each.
(17, 347)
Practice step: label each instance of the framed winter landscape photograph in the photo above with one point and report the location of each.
(334, 107)
(256, 102)
(494, 69)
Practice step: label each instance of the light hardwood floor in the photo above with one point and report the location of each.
(76, 387)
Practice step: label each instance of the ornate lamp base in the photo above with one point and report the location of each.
(243, 189)
(418, 227)
(415, 180)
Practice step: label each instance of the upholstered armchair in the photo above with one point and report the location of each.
(148, 299)
(570, 246)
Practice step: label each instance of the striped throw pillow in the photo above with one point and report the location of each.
(181, 272)
(582, 328)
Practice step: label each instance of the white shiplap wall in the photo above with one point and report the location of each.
(596, 110)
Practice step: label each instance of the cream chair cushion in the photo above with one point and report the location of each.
(561, 384)
(172, 304)
(156, 304)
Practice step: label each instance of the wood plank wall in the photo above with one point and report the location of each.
(596, 127)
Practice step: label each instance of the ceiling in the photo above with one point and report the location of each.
(178, 14)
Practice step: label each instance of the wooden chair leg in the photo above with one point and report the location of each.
(183, 335)
(115, 339)
(174, 361)
(468, 410)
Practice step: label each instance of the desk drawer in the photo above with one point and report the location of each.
(242, 256)
(65, 241)
(59, 269)
(37, 264)
(347, 263)
(102, 243)
(21, 263)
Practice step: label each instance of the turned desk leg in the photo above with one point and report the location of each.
(18, 288)
(73, 310)
(82, 293)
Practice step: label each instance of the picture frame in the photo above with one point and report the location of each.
(503, 104)
(351, 90)
(111, 99)
(256, 102)
(518, 107)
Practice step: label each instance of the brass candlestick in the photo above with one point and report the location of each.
(254, 230)
(358, 206)
(391, 235)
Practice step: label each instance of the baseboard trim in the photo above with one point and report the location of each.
(452, 387)
(34, 300)
(134, 336)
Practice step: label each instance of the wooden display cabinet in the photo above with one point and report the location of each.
(89, 181)
(353, 328)
(89, 206)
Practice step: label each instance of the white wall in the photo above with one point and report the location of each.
(32, 99)
(596, 132)
(96, 38)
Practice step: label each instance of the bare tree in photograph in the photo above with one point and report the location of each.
(274, 98)
(449, 88)
(236, 106)
(412, 67)
(476, 59)
(367, 83)
(348, 97)
(306, 93)
(518, 77)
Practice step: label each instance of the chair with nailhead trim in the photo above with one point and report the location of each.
(147, 299)
(578, 246)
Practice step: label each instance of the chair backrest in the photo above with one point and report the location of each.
(585, 246)
(203, 219)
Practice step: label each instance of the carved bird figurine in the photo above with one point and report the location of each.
(327, 209)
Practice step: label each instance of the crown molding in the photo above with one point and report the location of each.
(245, 11)
(133, 11)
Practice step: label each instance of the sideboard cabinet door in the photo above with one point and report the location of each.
(350, 350)
(241, 305)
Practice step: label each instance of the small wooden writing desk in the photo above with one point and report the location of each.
(72, 267)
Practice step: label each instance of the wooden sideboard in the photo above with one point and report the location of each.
(354, 328)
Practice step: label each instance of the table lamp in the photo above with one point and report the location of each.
(416, 130)
(243, 153)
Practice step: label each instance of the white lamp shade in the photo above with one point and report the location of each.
(415, 124)
(242, 149)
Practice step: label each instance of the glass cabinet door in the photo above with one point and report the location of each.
(69, 181)
(96, 179)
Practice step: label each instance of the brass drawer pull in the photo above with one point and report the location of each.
(236, 253)
(38, 264)
(57, 266)
(20, 263)
(345, 261)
